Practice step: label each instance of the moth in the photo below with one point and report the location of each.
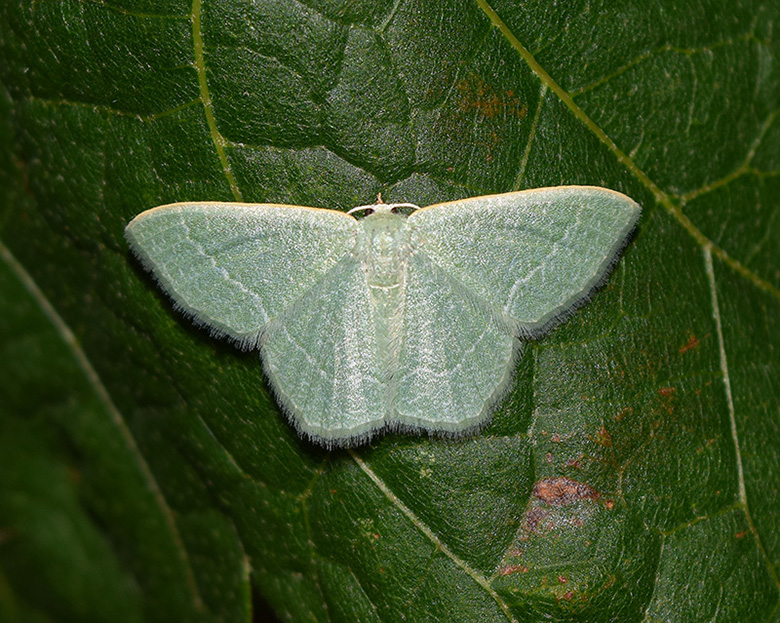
(390, 316)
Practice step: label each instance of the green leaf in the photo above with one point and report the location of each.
(146, 473)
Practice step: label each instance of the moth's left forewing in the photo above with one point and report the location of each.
(533, 255)
(232, 266)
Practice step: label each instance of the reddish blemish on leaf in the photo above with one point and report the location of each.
(74, 475)
(560, 491)
(603, 438)
(478, 96)
(510, 569)
(532, 520)
(741, 535)
(548, 457)
(693, 342)
(666, 391)
(562, 579)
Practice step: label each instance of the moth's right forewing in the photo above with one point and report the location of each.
(533, 255)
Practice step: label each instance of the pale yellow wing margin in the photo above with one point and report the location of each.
(531, 255)
(232, 266)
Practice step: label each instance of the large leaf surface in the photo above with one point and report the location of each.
(632, 474)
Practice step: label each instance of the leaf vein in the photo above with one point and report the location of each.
(205, 97)
(475, 575)
(531, 136)
(661, 196)
(732, 413)
(103, 396)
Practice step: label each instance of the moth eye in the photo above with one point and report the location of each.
(362, 213)
(404, 209)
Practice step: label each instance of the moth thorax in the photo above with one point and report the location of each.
(383, 249)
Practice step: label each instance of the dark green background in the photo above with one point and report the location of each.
(145, 471)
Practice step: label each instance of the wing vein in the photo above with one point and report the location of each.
(221, 270)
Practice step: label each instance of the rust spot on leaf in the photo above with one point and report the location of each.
(74, 475)
(532, 520)
(509, 569)
(8, 535)
(666, 391)
(603, 438)
(560, 491)
(741, 535)
(693, 342)
(478, 96)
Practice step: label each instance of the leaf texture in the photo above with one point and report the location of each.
(632, 472)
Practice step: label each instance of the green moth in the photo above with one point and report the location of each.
(394, 320)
